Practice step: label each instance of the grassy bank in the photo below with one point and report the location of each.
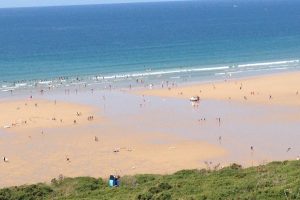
(276, 180)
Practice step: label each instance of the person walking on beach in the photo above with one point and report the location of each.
(219, 120)
(68, 159)
(220, 139)
(252, 152)
(5, 159)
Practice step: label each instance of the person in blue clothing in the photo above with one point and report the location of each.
(111, 181)
(114, 181)
(117, 181)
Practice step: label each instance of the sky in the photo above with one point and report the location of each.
(31, 3)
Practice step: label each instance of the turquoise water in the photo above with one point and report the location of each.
(203, 38)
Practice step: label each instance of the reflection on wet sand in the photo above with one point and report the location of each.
(102, 132)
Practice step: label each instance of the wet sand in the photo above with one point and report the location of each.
(43, 148)
(149, 134)
(282, 89)
(260, 112)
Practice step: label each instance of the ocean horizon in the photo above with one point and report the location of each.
(196, 99)
(148, 39)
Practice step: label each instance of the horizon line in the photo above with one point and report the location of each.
(95, 4)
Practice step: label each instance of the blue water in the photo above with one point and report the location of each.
(105, 40)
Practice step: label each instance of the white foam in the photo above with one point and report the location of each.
(173, 74)
(220, 74)
(20, 84)
(258, 70)
(44, 82)
(164, 72)
(269, 63)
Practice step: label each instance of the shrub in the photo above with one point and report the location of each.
(164, 186)
(84, 184)
(164, 196)
(140, 179)
(145, 196)
(272, 181)
(235, 166)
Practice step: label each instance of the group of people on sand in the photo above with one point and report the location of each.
(204, 119)
(90, 118)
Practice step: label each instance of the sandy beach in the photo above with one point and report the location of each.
(158, 131)
(282, 89)
(259, 113)
(30, 113)
(41, 141)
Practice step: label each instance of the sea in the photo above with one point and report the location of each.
(185, 40)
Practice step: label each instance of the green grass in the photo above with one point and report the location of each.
(276, 180)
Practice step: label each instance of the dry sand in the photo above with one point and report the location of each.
(42, 148)
(26, 114)
(283, 89)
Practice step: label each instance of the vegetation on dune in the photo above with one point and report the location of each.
(276, 180)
